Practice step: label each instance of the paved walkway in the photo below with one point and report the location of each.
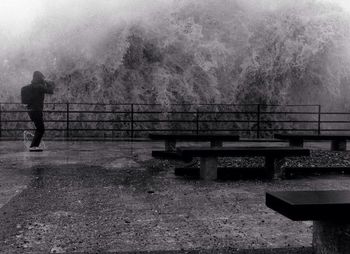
(96, 197)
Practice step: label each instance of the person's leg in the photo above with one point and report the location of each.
(31, 116)
(37, 118)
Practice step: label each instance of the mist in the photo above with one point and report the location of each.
(228, 51)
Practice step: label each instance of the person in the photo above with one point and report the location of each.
(39, 87)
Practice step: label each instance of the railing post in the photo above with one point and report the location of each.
(67, 120)
(319, 120)
(197, 122)
(132, 121)
(258, 121)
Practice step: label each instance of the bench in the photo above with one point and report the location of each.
(215, 140)
(329, 211)
(338, 142)
(209, 157)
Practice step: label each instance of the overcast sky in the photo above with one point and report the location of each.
(16, 16)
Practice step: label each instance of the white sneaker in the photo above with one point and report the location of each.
(35, 149)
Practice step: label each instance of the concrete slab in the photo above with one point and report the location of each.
(113, 197)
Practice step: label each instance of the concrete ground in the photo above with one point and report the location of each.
(95, 197)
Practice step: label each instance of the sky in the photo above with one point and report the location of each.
(17, 16)
(344, 3)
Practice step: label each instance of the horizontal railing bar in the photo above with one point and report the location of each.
(289, 121)
(98, 121)
(176, 121)
(12, 130)
(165, 112)
(255, 112)
(173, 130)
(289, 112)
(290, 105)
(228, 130)
(254, 121)
(194, 130)
(335, 113)
(170, 121)
(173, 121)
(76, 129)
(13, 111)
(71, 111)
(250, 130)
(25, 111)
(139, 130)
(155, 129)
(31, 129)
(335, 121)
(176, 130)
(181, 112)
(164, 121)
(254, 129)
(72, 121)
(180, 104)
(99, 112)
(225, 112)
(288, 129)
(190, 121)
(160, 112)
(335, 129)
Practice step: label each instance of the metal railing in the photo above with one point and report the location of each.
(138, 120)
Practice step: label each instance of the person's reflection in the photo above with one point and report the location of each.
(38, 178)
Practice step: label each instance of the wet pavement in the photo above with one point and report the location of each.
(95, 197)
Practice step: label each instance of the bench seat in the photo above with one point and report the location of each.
(338, 142)
(194, 137)
(215, 140)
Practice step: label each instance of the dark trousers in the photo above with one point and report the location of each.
(37, 118)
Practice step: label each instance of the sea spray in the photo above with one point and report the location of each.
(229, 51)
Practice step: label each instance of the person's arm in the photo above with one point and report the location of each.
(48, 87)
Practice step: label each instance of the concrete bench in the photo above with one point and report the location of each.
(215, 140)
(274, 157)
(338, 142)
(329, 211)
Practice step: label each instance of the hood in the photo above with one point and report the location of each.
(38, 77)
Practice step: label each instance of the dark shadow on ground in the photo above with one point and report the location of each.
(250, 173)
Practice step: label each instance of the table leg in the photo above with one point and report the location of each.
(298, 142)
(170, 145)
(273, 167)
(338, 145)
(209, 168)
(216, 143)
(331, 237)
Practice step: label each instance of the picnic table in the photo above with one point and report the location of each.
(274, 157)
(329, 210)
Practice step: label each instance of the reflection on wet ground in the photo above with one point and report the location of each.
(113, 197)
